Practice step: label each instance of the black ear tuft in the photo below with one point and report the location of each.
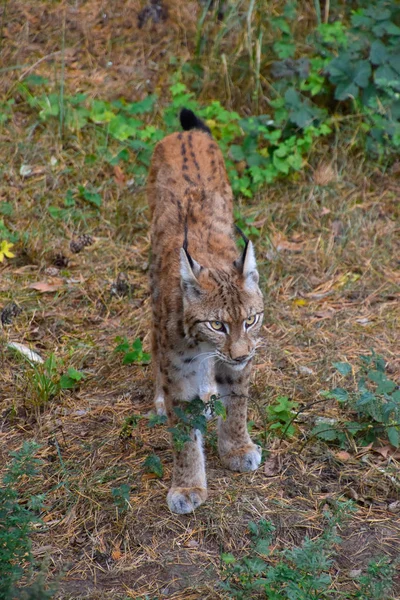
(189, 121)
(242, 235)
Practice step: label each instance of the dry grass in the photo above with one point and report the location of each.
(328, 254)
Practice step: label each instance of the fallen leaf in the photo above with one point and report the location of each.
(337, 229)
(305, 370)
(324, 174)
(116, 554)
(28, 171)
(272, 465)
(324, 314)
(147, 476)
(343, 455)
(25, 351)
(25, 170)
(387, 451)
(42, 550)
(280, 242)
(102, 545)
(44, 286)
(119, 176)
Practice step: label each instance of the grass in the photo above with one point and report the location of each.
(327, 252)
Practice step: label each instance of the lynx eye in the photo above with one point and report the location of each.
(217, 326)
(250, 320)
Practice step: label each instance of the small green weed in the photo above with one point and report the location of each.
(129, 425)
(70, 212)
(377, 581)
(17, 517)
(375, 401)
(281, 416)
(45, 382)
(191, 415)
(121, 496)
(153, 464)
(300, 573)
(133, 353)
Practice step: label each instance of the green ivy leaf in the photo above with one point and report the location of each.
(237, 153)
(378, 53)
(343, 368)
(92, 197)
(228, 558)
(6, 209)
(155, 420)
(123, 344)
(325, 432)
(263, 547)
(384, 385)
(121, 496)
(70, 379)
(122, 127)
(101, 112)
(340, 394)
(284, 48)
(153, 464)
(144, 106)
(393, 435)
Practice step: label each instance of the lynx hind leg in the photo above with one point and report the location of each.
(159, 400)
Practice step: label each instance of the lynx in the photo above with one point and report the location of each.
(206, 303)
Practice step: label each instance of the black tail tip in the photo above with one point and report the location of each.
(189, 121)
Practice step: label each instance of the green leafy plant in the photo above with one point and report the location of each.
(70, 379)
(257, 149)
(8, 235)
(302, 572)
(46, 382)
(377, 582)
(280, 416)
(375, 400)
(191, 415)
(18, 515)
(133, 353)
(69, 211)
(121, 496)
(367, 71)
(129, 425)
(153, 464)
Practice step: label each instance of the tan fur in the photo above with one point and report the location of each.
(188, 185)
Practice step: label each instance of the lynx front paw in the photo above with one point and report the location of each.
(247, 458)
(185, 500)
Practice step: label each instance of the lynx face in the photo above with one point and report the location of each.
(223, 307)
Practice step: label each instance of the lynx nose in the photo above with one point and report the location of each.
(240, 359)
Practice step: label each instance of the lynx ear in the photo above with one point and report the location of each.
(247, 266)
(190, 269)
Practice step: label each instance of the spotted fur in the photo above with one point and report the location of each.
(198, 279)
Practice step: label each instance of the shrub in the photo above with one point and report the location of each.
(17, 516)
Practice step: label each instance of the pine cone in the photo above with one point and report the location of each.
(9, 313)
(60, 261)
(80, 243)
(121, 287)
